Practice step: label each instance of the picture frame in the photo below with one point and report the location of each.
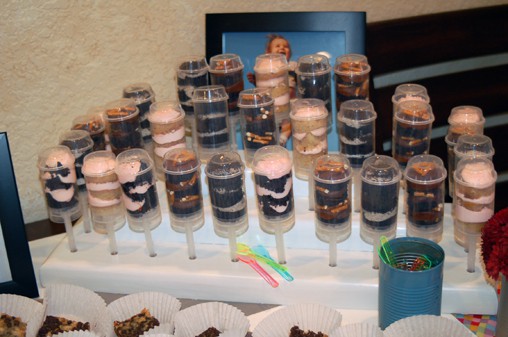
(330, 33)
(17, 252)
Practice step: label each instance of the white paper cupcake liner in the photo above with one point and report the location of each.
(157, 334)
(427, 326)
(226, 318)
(77, 334)
(161, 306)
(361, 329)
(79, 304)
(314, 317)
(30, 311)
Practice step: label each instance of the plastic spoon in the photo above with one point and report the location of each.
(282, 270)
(254, 265)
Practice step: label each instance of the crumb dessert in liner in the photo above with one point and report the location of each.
(209, 319)
(307, 317)
(142, 313)
(69, 307)
(19, 315)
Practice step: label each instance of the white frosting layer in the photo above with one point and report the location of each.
(374, 216)
(270, 82)
(97, 202)
(127, 171)
(483, 200)
(468, 216)
(323, 145)
(281, 100)
(132, 205)
(273, 166)
(103, 186)
(140, 189)
(319, 132)
(280, 208)
(161, 151)
(465, 115)
(478, 174)
(95, 166)
(270, 65)
(61, 195)
(309, 111)
(287, 187)
(60, 155)
(170, 137)
(68, 179)
(164, 115)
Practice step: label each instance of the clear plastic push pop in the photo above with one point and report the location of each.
(381, 177)
(424, 197)
(332, 200)
(473, 201)
(463, 120)
(409, 92)
(167, 125)
(137, 177)
(212, 121)
(273, 178)
(227, 70)
(226, 186)
(357, 124)
(104, 195)
(58, 178)
(183, 189)
(191, 73)
(80, 143)
(143, 94)
(94, 123)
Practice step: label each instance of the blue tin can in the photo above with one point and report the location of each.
(404, 292)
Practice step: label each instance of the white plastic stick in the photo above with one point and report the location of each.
(375, 253)
(232, 245)
(149, 241)
(357, 190)
(333, 250)
(279, 243)
(471, 253)
(113, 249)
(189, 234)
(70, 232)
(83, 200)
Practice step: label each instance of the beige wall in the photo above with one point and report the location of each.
(60, 57)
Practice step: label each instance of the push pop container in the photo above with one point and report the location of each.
(212, 120)
(351, 78)
(273, 172)
(94, 123)
(257, 120)
(143, 94)
(424, 197)
(357, 133)
(167, 129)
(183, 190)
(309, 123)
(124, 129)
(409, 92)
(227, 70)
(313, 78)
(463, 120)
(332, 200)
(191, 73)
(226, 185)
